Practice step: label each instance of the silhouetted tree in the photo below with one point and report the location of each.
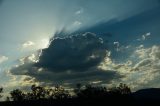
(1, 90)
(91, 92)
(50, 93)
(17, 95)
(7, 98)
(122, 89)
(37, 93)
(60, 93)
(77, 89)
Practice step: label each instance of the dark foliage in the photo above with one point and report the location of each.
(90, 92)
(1, 90)
(59, 93)
(39, 93)
(17, 95)
(122, 89)
(82, 95)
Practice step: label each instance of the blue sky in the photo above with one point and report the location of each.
(27, 25)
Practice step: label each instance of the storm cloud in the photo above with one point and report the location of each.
(86, 58)
(70, 59)
(76, 53)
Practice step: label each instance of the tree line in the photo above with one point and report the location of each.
(60, 93)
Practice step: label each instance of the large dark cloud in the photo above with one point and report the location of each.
(76, 53)
(69, 60)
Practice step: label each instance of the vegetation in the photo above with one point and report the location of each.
(1, 90)
(80, 95)
(59, 93)
(39, 93)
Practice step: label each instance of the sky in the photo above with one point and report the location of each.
(65, 42)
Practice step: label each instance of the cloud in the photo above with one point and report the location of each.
(141, 70)
(26, 65)
(80, 11)
(44, 43)
(144, 37)
(86, 58)
(146, 72)
(116, 44)
(70, 59)
(79, 52)
(10, 82)
(28, 44)
(3, 58)
(120, 49)
(150, 58)
(77, 23)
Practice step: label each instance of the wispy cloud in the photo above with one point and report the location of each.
(80, 11)
(77, 23)
(28, 44)
(144, 37)
(143, 71)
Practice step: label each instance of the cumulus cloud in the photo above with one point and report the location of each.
(3, 58)
(79, 52)
(86, 58)
(69, 60)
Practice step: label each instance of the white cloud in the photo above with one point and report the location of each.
(150, 58)
(141, 72)
(33, 58)
(148, 34)
(146, 72)
(45, 43)
(77, 23)
(28, 44)
(79, 11)
(3, 58)
(142, 52)
(144, 37)
(155, 52)
(12, 82)
(117, 45)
